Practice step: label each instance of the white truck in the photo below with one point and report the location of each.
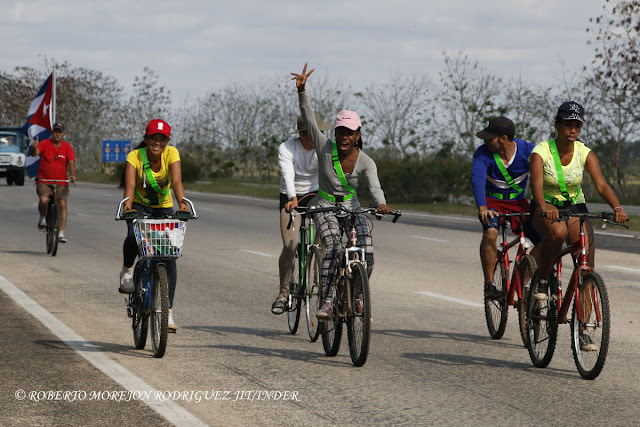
(12, 155)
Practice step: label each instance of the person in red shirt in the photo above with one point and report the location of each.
(56, 157)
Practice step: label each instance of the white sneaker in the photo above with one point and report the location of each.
(126, 281)
(172, 325)
(61, 237)
(540, 293)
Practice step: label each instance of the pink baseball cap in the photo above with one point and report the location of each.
(348, 119)
(158, 126)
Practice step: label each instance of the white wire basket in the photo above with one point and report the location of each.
(159, 238)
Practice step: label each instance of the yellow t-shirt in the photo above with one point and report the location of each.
(163, 178)
(572, 172)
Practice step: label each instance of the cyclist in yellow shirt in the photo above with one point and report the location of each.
(152, 169)
(557, 168)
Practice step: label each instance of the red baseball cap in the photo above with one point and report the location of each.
(158, 126)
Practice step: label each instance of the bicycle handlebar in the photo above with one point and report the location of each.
(607, 217)
(341, 209)
(511, 215)
(193, 214)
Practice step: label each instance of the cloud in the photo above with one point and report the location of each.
(198, 45)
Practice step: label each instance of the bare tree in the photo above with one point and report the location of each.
(398, 112)
(468, 99)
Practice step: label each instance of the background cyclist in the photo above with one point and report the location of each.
(56, 158)
(149, 191)
(499, 176)
(298, 186)
(340, 165)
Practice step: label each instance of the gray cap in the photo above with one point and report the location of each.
(321, 124)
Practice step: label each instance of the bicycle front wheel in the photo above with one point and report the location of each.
(294, 301)
(359, 320)
(159, 310)
(496, 309)
(140, 322)
(590, 334)
(527, 267)
(52, 229)
(312, 298)
(542, 326)
(332, 329)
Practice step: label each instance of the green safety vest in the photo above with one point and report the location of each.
(149, 173)
(561, 183)
(341, 177)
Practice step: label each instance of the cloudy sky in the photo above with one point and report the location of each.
(197, 46)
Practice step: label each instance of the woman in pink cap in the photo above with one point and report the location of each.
(150, 192)
(351, 165)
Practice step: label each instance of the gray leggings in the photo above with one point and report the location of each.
(329, 230)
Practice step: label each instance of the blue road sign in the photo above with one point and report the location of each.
(115, 151)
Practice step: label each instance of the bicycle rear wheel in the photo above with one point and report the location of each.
(312, 298)
(496, 310)
(527, 267)
(159, 310)
(590, 337)
(542, 326)
(294, 301)
(359, 320)
(332, 329)
(140, 321)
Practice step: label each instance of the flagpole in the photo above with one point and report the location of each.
(53, 99)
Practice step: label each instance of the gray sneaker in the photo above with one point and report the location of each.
(42, 224)
(279, 305)
(540, 292)
(126, 282)
(586, 344)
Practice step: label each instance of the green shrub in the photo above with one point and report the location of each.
(415, 181)
(191, 169)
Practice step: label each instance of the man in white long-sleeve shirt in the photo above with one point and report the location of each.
(298, 186)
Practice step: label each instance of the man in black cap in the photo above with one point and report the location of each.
(499, 177)
(56, 158)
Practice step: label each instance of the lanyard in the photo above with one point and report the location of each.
(506, 175)
(341, 177)
(561, 182)
(149, 173)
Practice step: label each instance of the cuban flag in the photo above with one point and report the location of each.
(38, 123)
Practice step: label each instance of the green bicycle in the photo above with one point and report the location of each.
(305, 282)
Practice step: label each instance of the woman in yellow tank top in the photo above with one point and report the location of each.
(553, 189)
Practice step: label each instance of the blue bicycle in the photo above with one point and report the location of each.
(159, 240)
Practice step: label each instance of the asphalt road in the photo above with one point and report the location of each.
(67, 343)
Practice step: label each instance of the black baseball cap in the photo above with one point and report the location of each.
(58, 125)
(498, 126)
(571, 110)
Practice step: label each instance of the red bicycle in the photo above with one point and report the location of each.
(590, 321)
(496, 309)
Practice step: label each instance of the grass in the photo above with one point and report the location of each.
(272, 191)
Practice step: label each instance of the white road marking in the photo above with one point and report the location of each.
(605, 233)
(429, 238)
(82, 214)
(257, 253)
(168, 409)
(444, 297)
(206, 209)
(615, 267)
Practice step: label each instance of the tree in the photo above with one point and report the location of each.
(468, 99)
(614, 83)
(398, 112)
